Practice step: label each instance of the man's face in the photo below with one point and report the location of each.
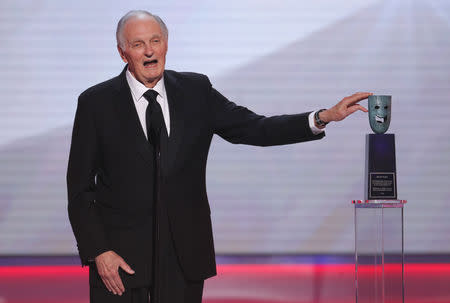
(145, 48)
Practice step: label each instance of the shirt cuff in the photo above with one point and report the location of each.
(315, 130)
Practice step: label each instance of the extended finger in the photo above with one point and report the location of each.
(356, 98)
(360, 107)
(126, 268)
(363, 95)
(114, 286)
(107, 284)
(118, 283)
(356, 107)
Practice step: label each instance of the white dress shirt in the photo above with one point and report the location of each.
(137, 92)
(138, 89)
(315, 130)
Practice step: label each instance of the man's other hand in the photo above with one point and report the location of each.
(344, 108)
(108, 264)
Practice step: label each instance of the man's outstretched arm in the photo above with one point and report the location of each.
(238, 124)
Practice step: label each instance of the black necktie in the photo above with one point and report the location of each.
(153, 118)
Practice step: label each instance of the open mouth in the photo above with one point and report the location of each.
(380, 119)
(150, 63)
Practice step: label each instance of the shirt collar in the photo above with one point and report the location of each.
(138, 89)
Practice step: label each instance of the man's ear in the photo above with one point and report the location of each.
(121, 53)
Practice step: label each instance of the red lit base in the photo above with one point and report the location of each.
(304, 283)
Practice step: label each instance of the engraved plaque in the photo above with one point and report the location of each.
(381, 175)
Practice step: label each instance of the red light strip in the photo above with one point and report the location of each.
(74, 270)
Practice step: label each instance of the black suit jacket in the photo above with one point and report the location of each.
(111, 163)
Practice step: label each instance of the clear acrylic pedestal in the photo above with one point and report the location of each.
(379, 251)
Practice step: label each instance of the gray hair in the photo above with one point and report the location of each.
(137, 14)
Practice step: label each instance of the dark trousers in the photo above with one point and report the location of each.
(178, 291)
(174, 288)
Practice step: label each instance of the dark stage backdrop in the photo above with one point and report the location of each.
(272, 56)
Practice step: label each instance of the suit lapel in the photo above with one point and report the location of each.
(129, 119)
(132, 128)
(176, 110)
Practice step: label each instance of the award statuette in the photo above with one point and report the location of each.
(379, 251)
(381, 176)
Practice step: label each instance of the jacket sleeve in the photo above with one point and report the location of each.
(81, 175)
(239, 125)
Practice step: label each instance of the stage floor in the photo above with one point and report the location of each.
(235, 283)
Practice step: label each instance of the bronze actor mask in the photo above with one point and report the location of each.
(379, 113)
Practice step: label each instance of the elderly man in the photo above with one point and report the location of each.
(136, 174)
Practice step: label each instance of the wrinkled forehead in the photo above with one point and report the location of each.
(142, 25)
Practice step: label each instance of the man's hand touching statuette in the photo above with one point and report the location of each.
(344, 108)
